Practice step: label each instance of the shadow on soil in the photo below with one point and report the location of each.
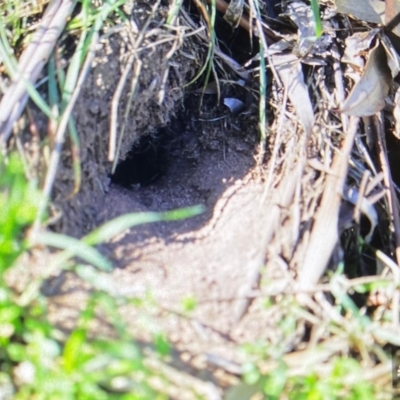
(192, 161)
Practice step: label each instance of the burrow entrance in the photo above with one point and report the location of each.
(195, 136)
(146, 162)
(192, 160)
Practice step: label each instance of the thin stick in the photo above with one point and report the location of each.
(136, 73)
(114, 108)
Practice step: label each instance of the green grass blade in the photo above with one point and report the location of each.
(74, 248)
(98, 280)
(83, 249)
(174, 11)
(75, 154)
(120, 224)
(73, 70)
(208, 64)
(73, 350)
(317, 17)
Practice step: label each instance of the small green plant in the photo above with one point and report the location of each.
(37, 360)
(297, 376)
(19, 202)
(344, 381)
(40, 364)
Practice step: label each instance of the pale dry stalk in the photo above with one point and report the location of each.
(31, 63)
(324, 233)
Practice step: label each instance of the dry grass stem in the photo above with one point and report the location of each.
(32, 62)
(324, 233)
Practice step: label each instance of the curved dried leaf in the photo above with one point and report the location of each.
(291, 73)
(356, 46)
(368, 95)
(365, 10)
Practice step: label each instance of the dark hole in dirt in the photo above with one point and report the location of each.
(181, 142)
(191, 161)
(236, 43)
(203, 152)
(145, 163)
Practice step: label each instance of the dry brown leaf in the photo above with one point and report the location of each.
(289, 69)
(368, 95)
(365, 10)
(234, 12)
(301, 15)
(357, 45)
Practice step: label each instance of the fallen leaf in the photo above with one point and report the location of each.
(289, 69)
(308, 44)
(365, 10)
(368, 95)
(302, 16)
(356, 46)
(234, 12)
